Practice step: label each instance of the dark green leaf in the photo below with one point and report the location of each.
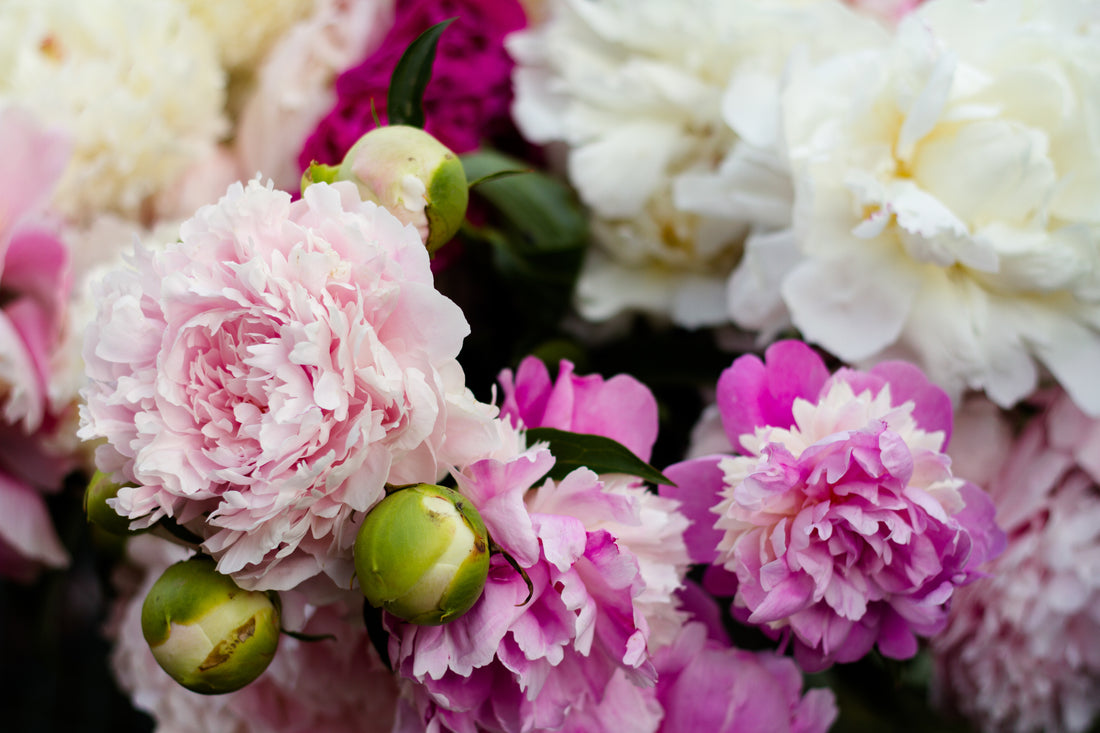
(498, 175)
(405, 101)
(600, 454)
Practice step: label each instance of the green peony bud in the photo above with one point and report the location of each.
(423, 554)
(413, 175)
(99, 513)
(205, 631)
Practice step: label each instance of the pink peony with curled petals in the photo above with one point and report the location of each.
(841, 518)
(1022, 649)
(512, 664)
(470, 90)
(34, 287)
(261, 380)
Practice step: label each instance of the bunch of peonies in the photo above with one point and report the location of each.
(468, 97)
(260, 380)
(840, 517)
(333, 684)
(34, 281)
(956, 170)
(1022, 649)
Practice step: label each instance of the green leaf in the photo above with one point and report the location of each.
(596, 452)
(498, 175)
(404, 103)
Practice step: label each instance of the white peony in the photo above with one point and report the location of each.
(639, 92)
(244, 30)
(947, 192)
(135, 83)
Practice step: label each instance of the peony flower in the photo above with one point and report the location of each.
(244, 30)
(623, 409)
(467, 99)
(706, 685)
(1022, 649)
(135, 83)
(649, 98)
(34, 279)
(890, 11)
(336, 685)
(955, 171)
(840, 518)
(295, 84)
(261, 380)
(520, 660)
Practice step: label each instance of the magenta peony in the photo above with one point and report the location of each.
(512, 664)
(1022, 649)
(841, 518)
(260, 380)
(468, 97)
(34, 283)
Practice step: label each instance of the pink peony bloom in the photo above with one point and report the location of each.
(623, 409)
(35, 283)
(263, 378)
(332, 685)
(511, 665)
(468, 97)
(1022, 649)
(841, 518)
(704, 685)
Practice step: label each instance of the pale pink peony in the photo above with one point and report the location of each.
(508, 665)
(1022, 649)
(34, 282)
(263, 378)
(841, 518)
(333, 685)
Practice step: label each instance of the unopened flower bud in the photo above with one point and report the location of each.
(210, 635)
(422, 554)
(98, 511)
(413, 175)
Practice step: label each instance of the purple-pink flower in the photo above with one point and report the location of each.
(35, 283)
(470, 91)
(1022, 649)
(840, 518)
(518, 664)
(261, 379)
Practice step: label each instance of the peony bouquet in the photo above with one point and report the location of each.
(550, 365)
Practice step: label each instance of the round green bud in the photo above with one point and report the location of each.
(413, 175)
(206, 632)
(422, 554)
(98, 511)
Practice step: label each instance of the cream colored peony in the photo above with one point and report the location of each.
(947, 190)
(646, 97)
(135, 83)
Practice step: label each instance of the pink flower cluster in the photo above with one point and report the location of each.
(261, 379)
(34, 287)
(1022, 649)
(468, 97)
(840, 518)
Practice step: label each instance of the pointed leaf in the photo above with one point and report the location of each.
(405, 101)
(596, 452)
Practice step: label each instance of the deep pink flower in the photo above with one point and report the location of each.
(1022, 649)
(468, 97)
(35, 284)
(620, 408)
(508, 665)
(841, 518)
(262, 379)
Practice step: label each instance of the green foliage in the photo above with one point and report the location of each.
(404, 103)
(600, 454)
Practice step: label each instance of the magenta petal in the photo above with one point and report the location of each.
(698, 486)
(752, 393)
(785, 598)
(933, 411)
